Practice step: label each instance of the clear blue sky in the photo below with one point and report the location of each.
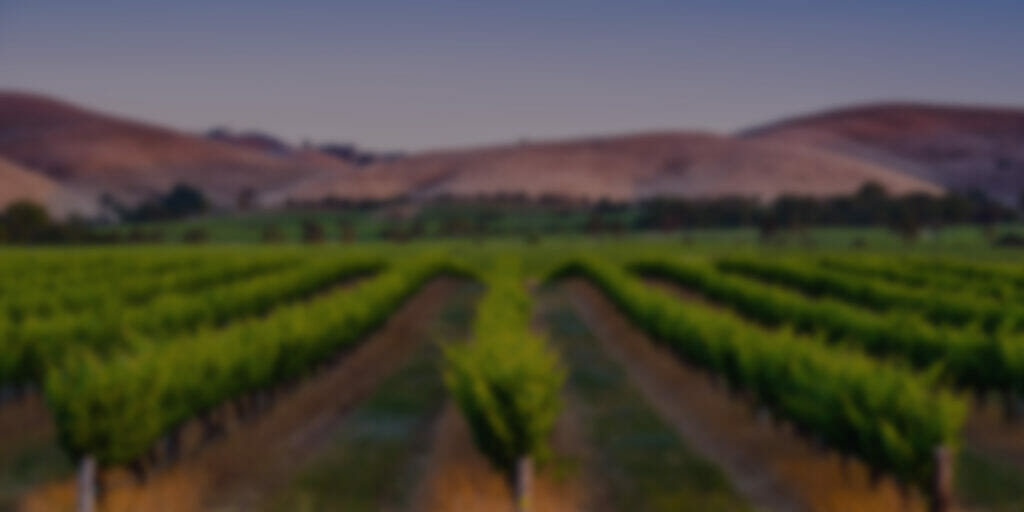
(412, 75)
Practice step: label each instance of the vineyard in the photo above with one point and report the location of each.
(565, 375)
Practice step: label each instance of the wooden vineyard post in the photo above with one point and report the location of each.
(523, 484)
(941, 499)
(86, 485)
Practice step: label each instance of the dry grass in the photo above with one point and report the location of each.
(620, 168)
(959, 147)
(95, 152)
(19, 183)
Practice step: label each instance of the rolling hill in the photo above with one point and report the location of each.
(62, 153)
(21, 184)
(95, 153)
(957, 147)
(619, 168)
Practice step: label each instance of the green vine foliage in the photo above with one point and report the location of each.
(506, 380)
(116, 407)
(890, 418)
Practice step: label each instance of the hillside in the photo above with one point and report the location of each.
(95, 153)
(619, 168)
(957, 147)
(905, 147)
(21, 184)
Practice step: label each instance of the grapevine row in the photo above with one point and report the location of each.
(940, 308)
(886, 416)
(968, 358)
(122, 287)
(114, 409)
(506, 381)
(32, 346)
(906, 272)
(1009, 273)
(46, 266)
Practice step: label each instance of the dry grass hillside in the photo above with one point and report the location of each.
(96, 153)
(620, 168)
(957, 147)
(21, 184)
(905, 147)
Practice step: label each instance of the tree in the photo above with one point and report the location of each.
(196, 235)
(908, 227)
(595, 223)
(272, 234)
(184, 200)
(312, 232)
(26, 221)
(768, 229)
(346, 233)
(796, 212)
(986, 212)
(869, 206)
(181, 201)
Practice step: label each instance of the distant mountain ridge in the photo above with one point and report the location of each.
(66, 157)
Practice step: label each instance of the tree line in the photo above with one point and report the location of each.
(512, 214)
(871, 205)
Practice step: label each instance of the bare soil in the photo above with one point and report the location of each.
(29, 453)
(633, 459)
(256, 457)
(768, 463)
(989, 432)
(23, 421)
(461, 479)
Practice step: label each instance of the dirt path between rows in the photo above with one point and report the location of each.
(988, 431)
(461, 479)
(28, 448)
(23, 421)
(772, 467)
(256, 458)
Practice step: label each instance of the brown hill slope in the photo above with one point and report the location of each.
(620, 168)
(17, 183)
(958, 147)
(97, 153)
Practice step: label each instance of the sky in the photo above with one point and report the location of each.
(412, 75)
